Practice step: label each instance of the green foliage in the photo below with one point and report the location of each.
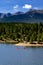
(22, 31)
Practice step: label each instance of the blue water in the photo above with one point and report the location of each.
(13, 55)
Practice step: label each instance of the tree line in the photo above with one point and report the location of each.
(22, 31)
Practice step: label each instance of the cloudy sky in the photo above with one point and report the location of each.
(19, 5)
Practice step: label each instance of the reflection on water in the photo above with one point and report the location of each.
(34, 47)
(13, 55)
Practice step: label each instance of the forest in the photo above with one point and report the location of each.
(22, 31)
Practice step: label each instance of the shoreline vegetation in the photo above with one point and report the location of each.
(16, 43)
(22, 34)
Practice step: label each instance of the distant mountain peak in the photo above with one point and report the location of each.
(8, 14)
(18, 13)
(35, 11)
(30, 16)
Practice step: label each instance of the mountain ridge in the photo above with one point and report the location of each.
(29, 16)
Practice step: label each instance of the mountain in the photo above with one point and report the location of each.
(8, 14)
(28, 17)
(18, 13)
(4, 15)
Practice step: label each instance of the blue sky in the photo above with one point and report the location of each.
(19, 5)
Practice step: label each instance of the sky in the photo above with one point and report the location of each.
(13, 6)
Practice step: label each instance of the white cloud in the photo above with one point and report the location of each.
(16, 6)
(27, 6)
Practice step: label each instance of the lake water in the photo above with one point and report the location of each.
(13, 55)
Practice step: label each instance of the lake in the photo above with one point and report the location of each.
(13, 55)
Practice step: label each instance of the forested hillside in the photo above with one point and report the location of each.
(21, 32)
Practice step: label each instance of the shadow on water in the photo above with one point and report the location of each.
(34, 47)
(8, 43)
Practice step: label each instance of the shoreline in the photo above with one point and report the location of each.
(16, 43)
(29, 44)
(8, 41)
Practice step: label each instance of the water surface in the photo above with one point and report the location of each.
(13, 55)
